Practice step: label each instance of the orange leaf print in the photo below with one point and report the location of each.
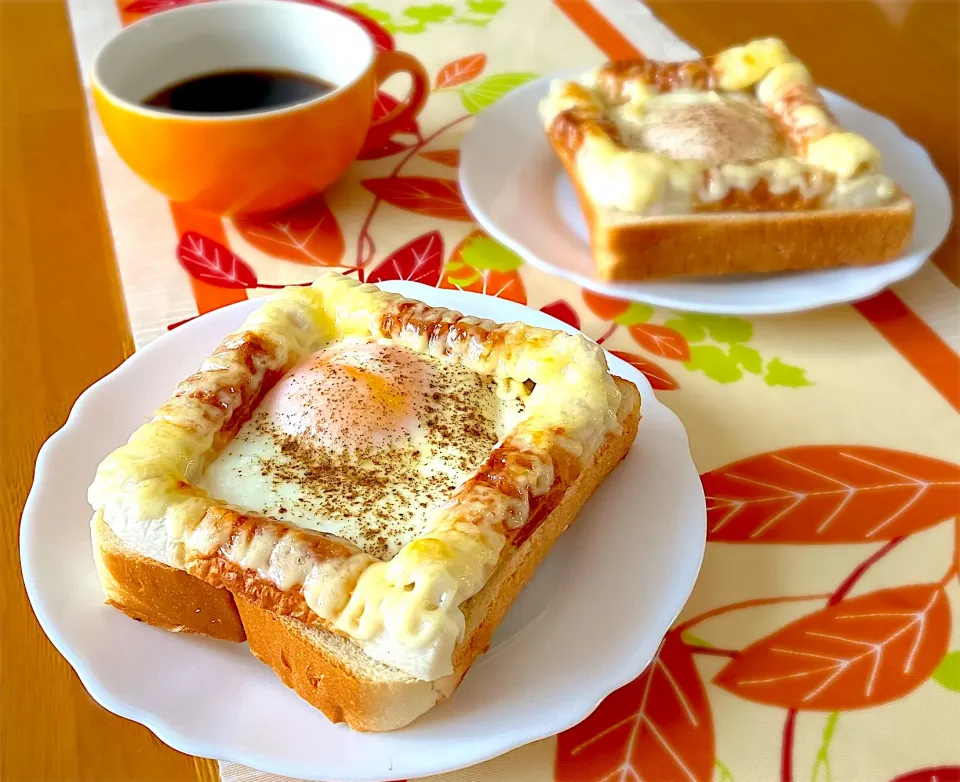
(658, 727)
(502, 285)
(419, 261)
(860, 652)
(661, 341)
(445, 157)
(829, 494)
(423, 195)
(604, 307)
(305, 233)
(658, 377)
(458, 72)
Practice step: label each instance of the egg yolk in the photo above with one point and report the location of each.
(352, 397)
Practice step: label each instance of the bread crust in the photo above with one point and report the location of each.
(160, 595)
(325, 669)
(628, 249)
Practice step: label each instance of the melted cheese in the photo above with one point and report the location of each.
(741, 67)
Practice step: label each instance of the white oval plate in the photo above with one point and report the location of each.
(519, 193)
(589, 621)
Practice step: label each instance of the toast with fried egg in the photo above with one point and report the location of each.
(253, 504)
(725, 165)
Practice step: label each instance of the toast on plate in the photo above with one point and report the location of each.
(359, 485)
(728, 164)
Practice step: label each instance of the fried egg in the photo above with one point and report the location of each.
(710, 127)
(364, 440)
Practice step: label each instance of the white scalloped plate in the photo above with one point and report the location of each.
(517, 190)
(589, 621)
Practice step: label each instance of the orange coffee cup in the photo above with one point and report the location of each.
(254, 161)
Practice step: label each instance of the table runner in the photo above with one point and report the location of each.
(821, 641)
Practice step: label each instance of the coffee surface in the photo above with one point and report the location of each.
(228, 92)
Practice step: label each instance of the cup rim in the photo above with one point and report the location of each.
(97, 83)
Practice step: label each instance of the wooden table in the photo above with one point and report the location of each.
(62, 324)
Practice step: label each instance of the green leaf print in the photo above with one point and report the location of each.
(722, 328)
(417, 18)
(723, 771)
(718, 343)
(485, 7)
(695, 640)
(479, 95)
(714, 362)
(693, 331)
(473, 22)
(781, 374)
(436, 12)
(947, 673)
(723, 354)
(746, 357)
(637, 312)
(488, 254)
(822, 761)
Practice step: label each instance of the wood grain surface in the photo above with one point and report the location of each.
(62, 327)
(62, 324)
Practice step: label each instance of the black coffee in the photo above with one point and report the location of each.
(238, 91)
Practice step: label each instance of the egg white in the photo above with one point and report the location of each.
(378, 496)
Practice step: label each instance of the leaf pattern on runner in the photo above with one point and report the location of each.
(422, 195)
(420, 260)
(562, 311)
(305, 233)
(657, 376)
(460, 71)
(662, 341)
(378, 151)
(209, 261)
(477, 96)
(829, 494)
(658, 727)
(445, 157)
(860, 652)
(480, 264)
(715, 345)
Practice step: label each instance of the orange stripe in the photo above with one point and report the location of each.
(598, 29)
(209, 297)
(903, 329)
(916, 342)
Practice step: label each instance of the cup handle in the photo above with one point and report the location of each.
(389, 63)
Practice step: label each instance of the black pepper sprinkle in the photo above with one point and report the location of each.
(385, 491)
